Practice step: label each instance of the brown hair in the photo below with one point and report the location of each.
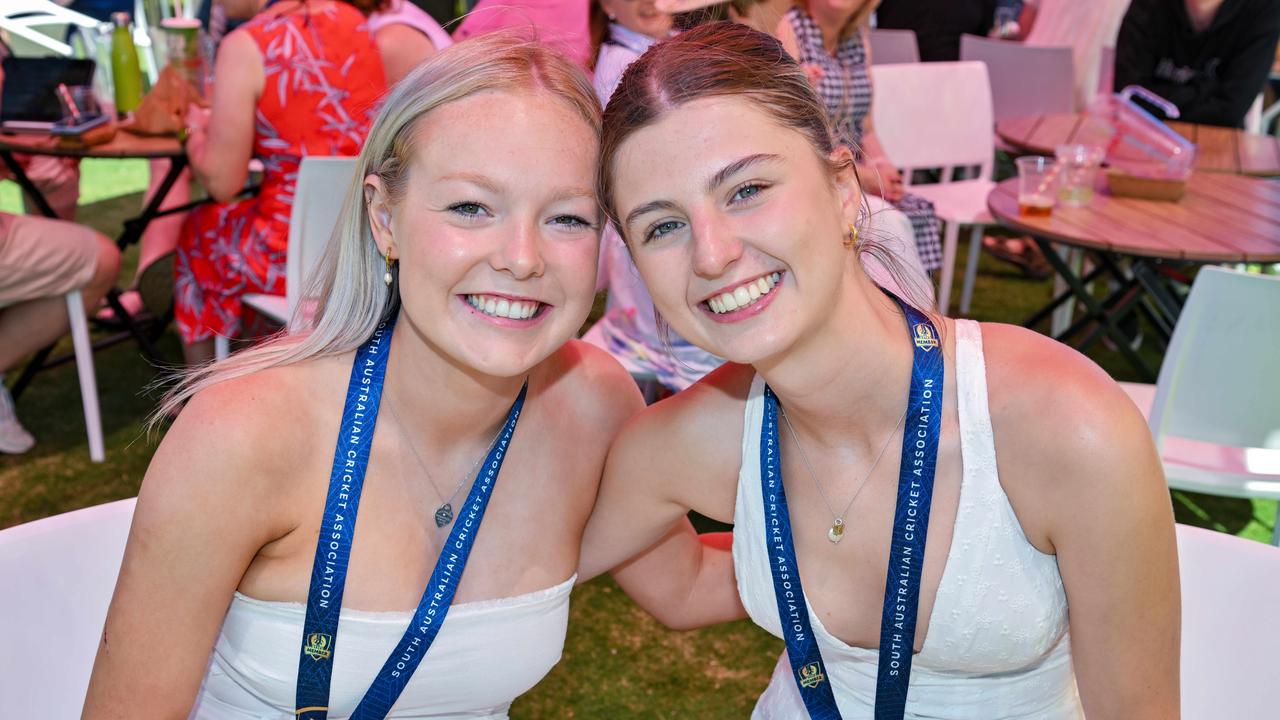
(718, 60)
(713, 60)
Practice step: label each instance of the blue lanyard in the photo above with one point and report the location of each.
(906, 553)
(333, 548)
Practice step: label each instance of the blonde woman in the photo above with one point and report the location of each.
(463, 262)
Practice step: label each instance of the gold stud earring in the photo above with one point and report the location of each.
(386, 278)
(851, 238)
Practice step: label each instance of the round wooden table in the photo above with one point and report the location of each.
(1222, 218)
(1218, 149)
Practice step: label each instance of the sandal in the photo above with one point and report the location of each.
(1028, 258)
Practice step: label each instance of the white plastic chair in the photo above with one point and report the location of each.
(1215, 408)
(1025, 80)
(317, 201)
(1230, 627)
(23, 18)
(83, 349)
(59, 576)
(893, 46)
(939, 115)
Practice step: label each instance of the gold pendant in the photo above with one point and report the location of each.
(836, 533)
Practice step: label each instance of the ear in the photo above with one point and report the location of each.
(846, 185)
(378, 207)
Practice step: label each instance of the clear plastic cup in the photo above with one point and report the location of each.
(78, 103)
(1078, 171)
(1038, 179)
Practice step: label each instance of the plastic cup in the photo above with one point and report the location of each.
(1038, 179)
(1078, 170)
(182, 47)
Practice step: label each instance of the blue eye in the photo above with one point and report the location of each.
(658, 230)
(746, 192)
(469, 210)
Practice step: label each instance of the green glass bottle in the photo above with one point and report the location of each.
(125, 71)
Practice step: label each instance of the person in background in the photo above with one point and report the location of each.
(828, 39)
(406, 35)
(41, 260)
(938, 24)
(1208, 57)
(1085, 26)
(562, 24)
(762, 15)
(301, 78)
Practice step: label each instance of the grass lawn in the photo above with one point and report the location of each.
(617, 661)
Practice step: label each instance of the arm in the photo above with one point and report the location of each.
(679, 454)
(1096, 494)
(878, 174)
(201, 517)
(402, 49)
(220, 150)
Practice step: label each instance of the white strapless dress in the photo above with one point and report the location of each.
(487, 654)
(997, 646)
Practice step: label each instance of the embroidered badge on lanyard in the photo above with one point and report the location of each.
(333, 548)
(906, 553)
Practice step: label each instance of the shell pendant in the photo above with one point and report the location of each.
(444, 515)
(836, 532)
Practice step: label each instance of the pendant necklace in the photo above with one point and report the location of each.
(444, 513)
(836, 532)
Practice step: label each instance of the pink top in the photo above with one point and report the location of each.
(559, 23)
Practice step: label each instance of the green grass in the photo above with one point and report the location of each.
(617, 662)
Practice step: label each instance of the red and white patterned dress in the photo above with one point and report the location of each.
(324, 80)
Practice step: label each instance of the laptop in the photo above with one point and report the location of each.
(29, 97)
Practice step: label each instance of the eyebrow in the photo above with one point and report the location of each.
(716, 181)
(475, 179)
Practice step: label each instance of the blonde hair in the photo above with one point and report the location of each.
(351, 296)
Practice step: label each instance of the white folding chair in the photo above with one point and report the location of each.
(1215, 408)
(938, 115)
(59, 576)
(317, 201)
(1230, 627)
(893, 46)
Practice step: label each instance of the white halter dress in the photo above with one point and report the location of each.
(997, 645)
(488, 653)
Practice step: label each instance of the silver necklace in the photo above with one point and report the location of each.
(444, 513)
(836, 532)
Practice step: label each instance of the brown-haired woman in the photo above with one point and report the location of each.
(817, 440)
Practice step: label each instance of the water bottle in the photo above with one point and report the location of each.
(125, 71)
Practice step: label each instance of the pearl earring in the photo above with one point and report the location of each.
(386, 278)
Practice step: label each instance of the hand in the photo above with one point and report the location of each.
(197, 117)
(883, 179)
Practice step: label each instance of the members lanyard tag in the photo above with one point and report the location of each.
(333, 548)
(906, 553)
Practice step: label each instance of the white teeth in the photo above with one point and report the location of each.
(502, 307)
(744, 295)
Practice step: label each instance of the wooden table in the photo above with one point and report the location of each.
(123, 145)
(1218, 149)
(1143, 244)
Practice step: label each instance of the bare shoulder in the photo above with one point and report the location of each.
(1066, 434)
(589, 387)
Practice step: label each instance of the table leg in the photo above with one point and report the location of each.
(134, 227)
(1062, 316)
(1096, 310)
(28, 187)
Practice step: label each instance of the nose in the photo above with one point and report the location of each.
(715, 246)
(521, 252)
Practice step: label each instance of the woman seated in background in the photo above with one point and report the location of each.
(406, 36)
(303, 77)
(440, 346)
(1011, 544)
(828, 38)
